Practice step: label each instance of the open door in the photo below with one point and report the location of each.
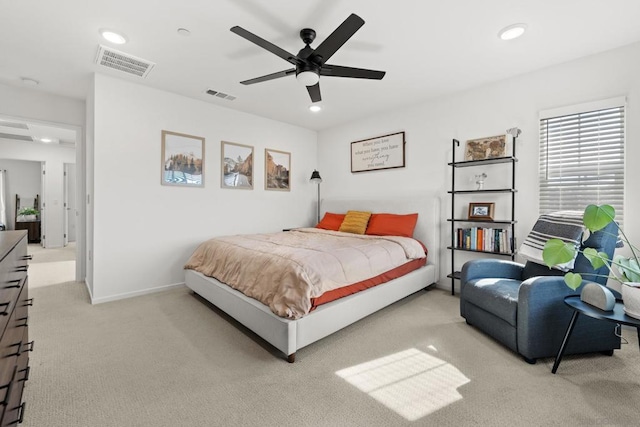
(43, 213)
(69, 203)
(65, 206)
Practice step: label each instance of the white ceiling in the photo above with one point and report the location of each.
(35, 132)
(428, 48)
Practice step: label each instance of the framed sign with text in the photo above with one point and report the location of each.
(382, 152)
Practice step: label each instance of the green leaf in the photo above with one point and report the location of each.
(597, 259)
(598, 217)
(557, 252)
(573, 280)
(629, 268)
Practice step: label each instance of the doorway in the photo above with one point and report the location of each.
(59, 257)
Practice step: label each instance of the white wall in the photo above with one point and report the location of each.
(39, 105)
(23, 179)
(144, 232)
(486, 111)
(54, 158)
(88, 152)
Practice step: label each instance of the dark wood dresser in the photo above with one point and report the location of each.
(32, 227)
(14, 325)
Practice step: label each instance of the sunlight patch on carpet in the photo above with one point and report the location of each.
(411, 383)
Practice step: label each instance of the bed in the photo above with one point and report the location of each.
(289, 335)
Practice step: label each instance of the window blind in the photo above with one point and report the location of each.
(582, 160)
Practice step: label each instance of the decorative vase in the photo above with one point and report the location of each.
(631, 299)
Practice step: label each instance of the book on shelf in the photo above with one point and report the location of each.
(484, 239)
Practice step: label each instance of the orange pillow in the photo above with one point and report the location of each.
(331, 221)
(384, 224)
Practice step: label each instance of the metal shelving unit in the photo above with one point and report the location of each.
(510, 223)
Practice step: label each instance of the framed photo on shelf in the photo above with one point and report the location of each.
(277, 168)
(182, 161)
(237, 166)
(481, 211)
(486, 148)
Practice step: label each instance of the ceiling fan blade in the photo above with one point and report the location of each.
(340, 35)
(356, 73)
(314, 92)
(269, 77)
(266, 45)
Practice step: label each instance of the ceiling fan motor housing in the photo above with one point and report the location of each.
(307, 35)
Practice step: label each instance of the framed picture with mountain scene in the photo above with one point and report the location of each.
(237, 166)
(182, 159)
(277, 168)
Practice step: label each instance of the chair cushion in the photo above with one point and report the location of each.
(496, 296)
(531, 269)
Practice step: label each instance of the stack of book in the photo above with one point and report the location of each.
(484, 239)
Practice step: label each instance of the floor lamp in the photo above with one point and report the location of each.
(316, 179)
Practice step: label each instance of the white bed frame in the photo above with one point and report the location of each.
(290, 335)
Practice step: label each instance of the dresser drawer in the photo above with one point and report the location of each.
(12, 342)
(13, 411)
(14, 317)
(9, 302)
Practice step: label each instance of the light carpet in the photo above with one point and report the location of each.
(169, 359)
(51, 266)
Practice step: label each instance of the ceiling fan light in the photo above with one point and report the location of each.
(314, 108)
(512, 31)
(308, 78)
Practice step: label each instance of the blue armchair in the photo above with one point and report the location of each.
(522, 306)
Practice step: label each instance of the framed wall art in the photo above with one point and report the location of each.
(382, 152)
(277, 168)
(481, 211)
(237, 166)
(486, 148)
(182, 161)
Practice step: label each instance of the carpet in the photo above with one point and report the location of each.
(171, 359)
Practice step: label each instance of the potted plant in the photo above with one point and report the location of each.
(28, 214)
(625, 270)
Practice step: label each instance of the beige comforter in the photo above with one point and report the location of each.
(286, 270)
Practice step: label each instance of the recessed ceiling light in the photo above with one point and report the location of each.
(29, 82)
(184, 32)
(113, 36)
(46, 139)
(314, 108)
(512, 31)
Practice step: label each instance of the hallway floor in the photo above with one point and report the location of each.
(51, 266)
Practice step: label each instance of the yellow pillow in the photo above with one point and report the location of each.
(355, 222)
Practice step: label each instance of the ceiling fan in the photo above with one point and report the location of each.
(310, 63)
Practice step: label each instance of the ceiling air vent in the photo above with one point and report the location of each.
(220, 95)
(116, 60)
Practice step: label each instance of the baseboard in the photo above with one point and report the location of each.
(135, 294)
(444, 286)
(88, 286)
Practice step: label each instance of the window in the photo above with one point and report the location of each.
(582, 157)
